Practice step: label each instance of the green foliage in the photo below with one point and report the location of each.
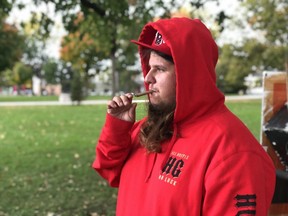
(256, 55)
(231, 70)
(127, 82)
(63, 73)
(270, 16)
(6, 78)
(81, 48)
(100, 30)
(236, 62)
(263, 56)
(51, 72)
(20, 75)
(34, 46)
(108, 26)
(94, 37)
(77, 93)
(5, 8)
(11, 46)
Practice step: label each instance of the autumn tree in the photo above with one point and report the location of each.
(81, 50)
(111, 24)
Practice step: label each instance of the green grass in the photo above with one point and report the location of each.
(27, 98)
(249, 112)
(46, 155)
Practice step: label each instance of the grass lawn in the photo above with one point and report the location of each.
(46, 155)
(249, 112)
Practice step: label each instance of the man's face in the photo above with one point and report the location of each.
(162, 79)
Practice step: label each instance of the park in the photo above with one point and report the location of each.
(61, 61)
(47, 153)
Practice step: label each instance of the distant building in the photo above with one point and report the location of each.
(40, 87)
(36, 85)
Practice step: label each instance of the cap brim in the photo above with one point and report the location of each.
(142, 44)
(151, 47)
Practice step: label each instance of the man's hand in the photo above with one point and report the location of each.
(122, 107)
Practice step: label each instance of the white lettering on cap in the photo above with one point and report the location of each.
(158, 39)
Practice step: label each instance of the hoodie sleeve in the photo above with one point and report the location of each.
(241, 184)
(112, 149)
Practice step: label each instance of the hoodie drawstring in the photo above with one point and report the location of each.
(152, 159)
(170, 145)
(151, 164)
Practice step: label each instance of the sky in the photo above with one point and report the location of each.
(231, 7)
(17, 16)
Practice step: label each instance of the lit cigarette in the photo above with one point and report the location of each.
(142, 93)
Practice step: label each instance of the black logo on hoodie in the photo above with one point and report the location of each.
(171, 171)
(173, 167)
(246, 204)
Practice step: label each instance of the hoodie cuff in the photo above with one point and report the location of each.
(117, 126)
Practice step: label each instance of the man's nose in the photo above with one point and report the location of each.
(149, 78)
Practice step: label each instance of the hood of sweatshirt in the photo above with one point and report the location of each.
(195, 55)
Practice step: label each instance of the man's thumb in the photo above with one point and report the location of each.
(133, 110)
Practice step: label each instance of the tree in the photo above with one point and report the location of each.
(66, 72)
(35, 44)
(231, 70)
(77, 88)
(52, 75)
(5, 8)
(236, 62)
(11, 45)
(269, 16)
(81, 50)
(255, 55)
(112, 23)
(21, 75)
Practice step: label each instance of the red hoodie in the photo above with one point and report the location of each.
(211, 166)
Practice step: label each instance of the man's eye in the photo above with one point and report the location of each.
(161, 69)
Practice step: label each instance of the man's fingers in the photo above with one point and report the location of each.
(112, 104)
(126, 100)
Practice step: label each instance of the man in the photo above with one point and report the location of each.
(190, 155)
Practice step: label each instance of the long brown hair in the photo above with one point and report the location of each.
(159, 124)
(157, 128)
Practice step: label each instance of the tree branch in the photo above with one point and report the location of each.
(93, 6)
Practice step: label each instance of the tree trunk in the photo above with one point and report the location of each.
(114, 75)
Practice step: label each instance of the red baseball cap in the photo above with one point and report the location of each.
(158, 44)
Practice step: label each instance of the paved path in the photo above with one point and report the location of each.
(95, 102)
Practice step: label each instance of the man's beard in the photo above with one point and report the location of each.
(156, 111)
(158, 126)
